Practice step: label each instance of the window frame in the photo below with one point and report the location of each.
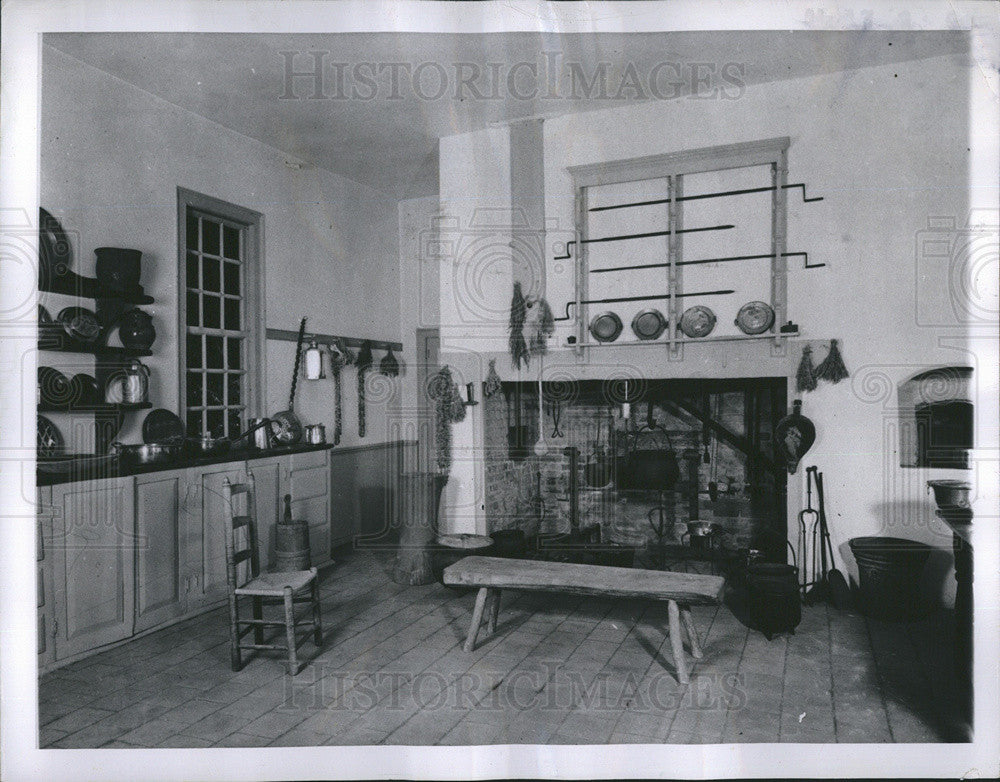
(253, 315)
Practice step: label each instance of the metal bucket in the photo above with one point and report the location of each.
(889, 572)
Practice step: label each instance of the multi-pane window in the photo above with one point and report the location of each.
(216, 339)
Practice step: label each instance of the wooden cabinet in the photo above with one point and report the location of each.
(43, 558)
(309, 485)
(160, 574)
(93, 549)
(205, 519)
(122, 556)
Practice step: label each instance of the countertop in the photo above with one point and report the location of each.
(116, 469)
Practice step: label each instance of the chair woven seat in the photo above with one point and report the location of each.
(273, 584)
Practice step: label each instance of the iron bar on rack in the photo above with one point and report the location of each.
(700, 196)
(656, 233)
(708, 260)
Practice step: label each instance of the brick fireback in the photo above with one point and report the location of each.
(531, 492)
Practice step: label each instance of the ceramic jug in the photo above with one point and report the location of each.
(136, 330)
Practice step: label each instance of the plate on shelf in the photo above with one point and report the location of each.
(54, 387)
(697, 321)
(50, 439)
(755, 317)
(80, 323)
(160, 425)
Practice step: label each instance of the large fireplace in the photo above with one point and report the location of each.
(639, 464)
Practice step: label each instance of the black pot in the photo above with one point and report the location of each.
(649, 470)
(508, 543)
(118, 267)
(773, 594)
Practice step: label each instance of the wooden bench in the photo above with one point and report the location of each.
(680, 590)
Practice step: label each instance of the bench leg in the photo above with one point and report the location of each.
(676, 642)
(477, 619)
(491, 625)
(692, 633)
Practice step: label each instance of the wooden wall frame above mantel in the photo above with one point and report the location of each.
(772, 152)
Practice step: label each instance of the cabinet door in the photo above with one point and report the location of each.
(93, 551)
(160, 574)
(43, 557)
(205, 521)
(269, 479)
(309, 485)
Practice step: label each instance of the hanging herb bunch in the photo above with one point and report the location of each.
(340, 357)
(518, 314)
(364, 363)
(450, 410)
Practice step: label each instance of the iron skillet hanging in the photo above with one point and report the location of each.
(606, 327)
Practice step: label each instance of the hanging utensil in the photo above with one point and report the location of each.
(285, 425)
(364, 363)
(556, 410)
(541, 447)
(389, 366)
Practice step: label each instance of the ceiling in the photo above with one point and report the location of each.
(372, 120)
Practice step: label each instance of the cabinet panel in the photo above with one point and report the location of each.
(309, 485)
(205, 518)
(160, 571)
(43, 556)
(93, 552)
(309, 482)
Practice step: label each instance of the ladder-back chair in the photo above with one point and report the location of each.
(245, 580)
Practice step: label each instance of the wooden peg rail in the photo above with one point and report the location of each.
(327, 339)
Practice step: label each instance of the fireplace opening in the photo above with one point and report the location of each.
(664, 467)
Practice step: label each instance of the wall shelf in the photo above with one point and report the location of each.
(70, 284)
(63, 343)
(661, 342)
(325, 339)
(102, 407)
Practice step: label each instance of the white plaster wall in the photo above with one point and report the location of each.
(887, 149)
(112, 157)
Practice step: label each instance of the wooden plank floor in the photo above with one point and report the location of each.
(561, 670)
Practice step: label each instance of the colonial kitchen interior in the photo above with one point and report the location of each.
(633, 404)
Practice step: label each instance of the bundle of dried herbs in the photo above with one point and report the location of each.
(518, 313)
(450, 409)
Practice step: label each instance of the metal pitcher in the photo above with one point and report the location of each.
(135, 383)
(262, 438)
